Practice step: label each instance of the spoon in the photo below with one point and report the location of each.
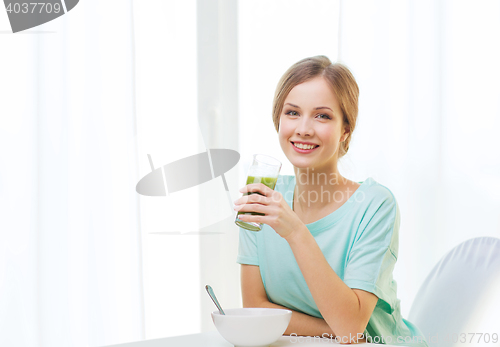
(214, 298)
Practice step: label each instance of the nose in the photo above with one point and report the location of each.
(304, 127)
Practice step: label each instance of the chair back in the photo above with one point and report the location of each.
(459, 302)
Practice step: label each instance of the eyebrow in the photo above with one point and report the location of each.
(317, 108)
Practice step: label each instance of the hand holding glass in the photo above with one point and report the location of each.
(265, 170)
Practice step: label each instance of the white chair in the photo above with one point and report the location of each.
(460, 298)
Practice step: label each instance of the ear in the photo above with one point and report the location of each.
(346, 135)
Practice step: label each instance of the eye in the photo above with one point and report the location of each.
(292, 113)
(324, 116)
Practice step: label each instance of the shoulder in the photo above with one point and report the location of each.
(381, 217)
(380, 211)
(375, 194)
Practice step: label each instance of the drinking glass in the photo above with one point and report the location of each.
(264, 169)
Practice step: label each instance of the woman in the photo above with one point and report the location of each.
(329, 245)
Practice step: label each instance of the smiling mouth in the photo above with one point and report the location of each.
(303, 146)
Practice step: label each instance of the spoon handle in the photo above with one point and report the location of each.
(214, 299)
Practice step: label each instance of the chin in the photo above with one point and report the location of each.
(301, 164)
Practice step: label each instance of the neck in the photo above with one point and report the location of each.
(318, 188)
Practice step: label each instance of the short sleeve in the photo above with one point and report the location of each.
(247, 248)
(373, 255)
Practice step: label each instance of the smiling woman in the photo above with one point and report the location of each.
(329, 245)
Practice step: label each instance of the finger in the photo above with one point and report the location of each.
(251, 208)
(253, 218)
(256, 188)
(252, 199)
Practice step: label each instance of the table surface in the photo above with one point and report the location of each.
(214, 339)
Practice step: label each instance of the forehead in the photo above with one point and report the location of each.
(313, 93)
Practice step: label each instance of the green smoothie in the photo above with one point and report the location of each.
(269, 182)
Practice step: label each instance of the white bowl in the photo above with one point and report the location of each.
(252, 327)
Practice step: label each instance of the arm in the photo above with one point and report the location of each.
(347, 311)
(254, 295)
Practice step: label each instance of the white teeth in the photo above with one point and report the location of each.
(301, 146)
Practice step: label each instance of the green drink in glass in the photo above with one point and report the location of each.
(265, 170)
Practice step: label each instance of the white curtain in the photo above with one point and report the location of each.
(70, 242)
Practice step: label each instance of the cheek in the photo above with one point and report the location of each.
(284, 134)
(281, 135)
(281, 125)
(284, 129)
(329, 137)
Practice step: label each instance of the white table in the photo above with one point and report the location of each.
(214, 339)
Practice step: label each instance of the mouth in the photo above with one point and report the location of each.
(303, 147)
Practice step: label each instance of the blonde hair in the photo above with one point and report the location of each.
(339, 78)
